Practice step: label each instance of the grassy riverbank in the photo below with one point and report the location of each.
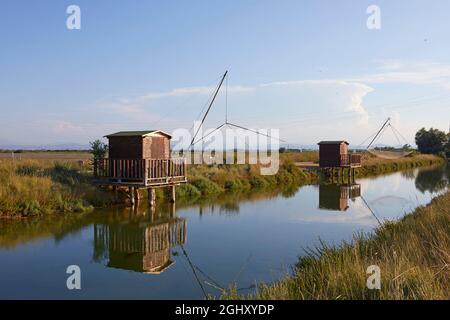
(206, 181)
(30, 187)
(38, 187)
(374, 166)
(413, 255)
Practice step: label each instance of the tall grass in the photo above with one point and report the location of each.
(413, 255)
(37, 187)
(212, 180)
(372, 165)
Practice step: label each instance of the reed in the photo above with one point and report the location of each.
(38, 187)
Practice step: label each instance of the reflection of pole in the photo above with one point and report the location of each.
(373, 213)
(193, 270)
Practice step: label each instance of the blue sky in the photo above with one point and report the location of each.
(310, 68)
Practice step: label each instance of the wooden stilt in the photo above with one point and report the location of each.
(137, 196)
(172, 209)
(172, 194)
(131, 195)
(116, 194)
(151, 197)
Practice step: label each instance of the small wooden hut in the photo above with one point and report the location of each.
(140, 159)
(152, 144)
(334, 154)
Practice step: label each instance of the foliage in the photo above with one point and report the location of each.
(431, 141)
(98, 149)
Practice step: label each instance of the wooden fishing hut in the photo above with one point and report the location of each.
(140, 160)
(334, 156)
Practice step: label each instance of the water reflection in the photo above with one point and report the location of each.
(225, 238)
(336, 196)
(433, 180)
(142, 243)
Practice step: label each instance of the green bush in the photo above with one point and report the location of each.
(258, 183)
(30, 208)
(187, 191)
(205, 186)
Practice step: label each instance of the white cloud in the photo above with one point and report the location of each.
(395, 71)
(351, 94)
(311, 107)
(63, 126)
(187, 91)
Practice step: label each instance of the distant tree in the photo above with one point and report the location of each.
(431, 141)
(407, 147)
(98, 149)
(282, 150)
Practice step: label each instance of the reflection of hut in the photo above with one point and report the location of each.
(138, 246)
(335, 196)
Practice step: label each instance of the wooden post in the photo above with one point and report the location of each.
(151, 197)
(136, 196)
(172, 194)
(131, 195)
(116, 194)
(172, 209)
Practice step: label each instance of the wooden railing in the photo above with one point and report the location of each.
(352, 159)
(139, 170)
(350, 192)
(163, 168)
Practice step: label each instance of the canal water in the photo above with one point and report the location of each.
(189, 251)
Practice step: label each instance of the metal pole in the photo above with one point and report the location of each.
(378, 133)
(210, 105)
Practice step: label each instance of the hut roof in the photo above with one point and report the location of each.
(334, 142)
(138, 133)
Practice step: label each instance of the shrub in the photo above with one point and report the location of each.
(258, 183)
(187, 191)
(205, 186)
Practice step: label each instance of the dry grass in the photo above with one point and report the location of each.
(372, 165)
(413, 255)
(48, 155)
(36, 187)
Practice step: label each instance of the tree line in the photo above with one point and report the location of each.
(433, 141)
